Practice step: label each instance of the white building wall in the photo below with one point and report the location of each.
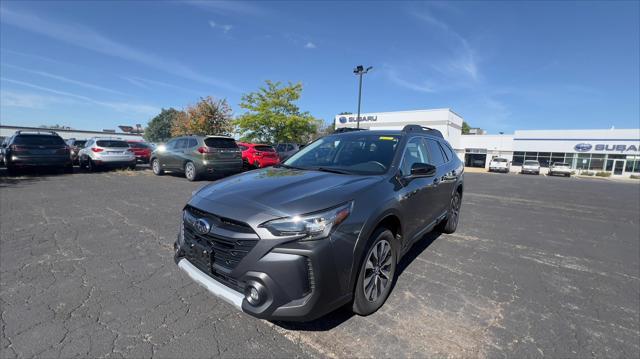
(443, 120)
(566, 140)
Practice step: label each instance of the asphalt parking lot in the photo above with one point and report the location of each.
(540, 266)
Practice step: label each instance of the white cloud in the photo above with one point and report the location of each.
(89, 39)
(464, 59)
(310, 45)
(423, 86)
(30, 100)
(148, 84)
(229, 7)
(64, 79)
(223, 27)
(116, 106)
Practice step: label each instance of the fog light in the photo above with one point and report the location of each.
(254, 295)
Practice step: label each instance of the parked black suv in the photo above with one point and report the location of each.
(35, 149)
(325, 228)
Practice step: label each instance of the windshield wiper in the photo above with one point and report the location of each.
(332, 170)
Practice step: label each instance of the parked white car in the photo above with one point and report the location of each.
(531, 167)
(499, 165)
(106, 152)
(560, 168)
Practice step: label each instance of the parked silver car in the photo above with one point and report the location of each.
(531, 167)
(560, 168)
(106, 152)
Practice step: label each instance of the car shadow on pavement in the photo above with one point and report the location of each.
(28, 176)
(344, 313)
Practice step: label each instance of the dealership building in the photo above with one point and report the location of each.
(612, 150)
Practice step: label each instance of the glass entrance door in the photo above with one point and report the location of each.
(618, 167)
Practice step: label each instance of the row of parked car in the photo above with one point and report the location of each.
(498, 164)
(194, 156)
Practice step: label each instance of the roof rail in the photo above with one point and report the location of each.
(37, 131)
(348, 129)
(418, 128)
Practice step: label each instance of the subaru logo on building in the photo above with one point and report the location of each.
(582, 147)
(202, 226)
(342, 119)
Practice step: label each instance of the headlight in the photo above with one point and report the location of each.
(313, 226)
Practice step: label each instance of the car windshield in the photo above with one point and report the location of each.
(499, 160)
(112, 143)
(531, 163)
(219, 142)
(351, 154)
(138, 145)
(561, 164)
(38, 140)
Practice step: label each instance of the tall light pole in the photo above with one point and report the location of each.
(360, 70)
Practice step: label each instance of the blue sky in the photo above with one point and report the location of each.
(501, 65)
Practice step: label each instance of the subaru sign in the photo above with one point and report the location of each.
(344, 119)
(586, 147)
(582, 147)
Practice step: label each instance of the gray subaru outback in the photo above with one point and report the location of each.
(196, 156)
(323, 229)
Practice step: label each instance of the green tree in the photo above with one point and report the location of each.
(465, 127)
(324, 129)
(273, 117)
(345, 113)
(207, 117)
(159, 128)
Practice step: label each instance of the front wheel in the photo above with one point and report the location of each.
(450, 224)
(377, 273)
(155, 166)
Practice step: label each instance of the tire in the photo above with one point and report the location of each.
(379, 279)
(450, 224)
(132, 166)
(256, 164)
(68, 168)
(156, 168)
(190, 171)
(91, 167)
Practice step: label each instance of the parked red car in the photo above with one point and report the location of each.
(141, 149)
(258, 156)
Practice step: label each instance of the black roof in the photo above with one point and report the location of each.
(408, 129)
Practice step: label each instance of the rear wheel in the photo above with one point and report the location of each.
(450, 224)
(376, 274)
(12, 170)
(256, 164)
(190, 171)
(155, 166)
(132, 166)
(91, 167)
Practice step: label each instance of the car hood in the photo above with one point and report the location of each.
(276, 192)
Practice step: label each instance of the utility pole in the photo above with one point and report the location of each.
(360, 70)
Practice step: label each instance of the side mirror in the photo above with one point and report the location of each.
(422, 170)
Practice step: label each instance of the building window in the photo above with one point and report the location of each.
(543, 158)
(583, 161)
(531, 156)
(597, 162)
(570, 159)
(517, 159)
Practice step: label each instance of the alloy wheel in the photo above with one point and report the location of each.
(377, 276)
(189, 171)
(156, 166)
(455, 208)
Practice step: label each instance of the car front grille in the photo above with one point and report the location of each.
(222, 253)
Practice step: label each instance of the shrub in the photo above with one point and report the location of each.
(603, 174)
(635, 176)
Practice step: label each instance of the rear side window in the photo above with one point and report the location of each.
(112, 143)
(264, 148)
(435, 153)
(281, 147)
(79, 143)
(38, 140)
(182, 143)
(217, 142)
(242, 147)
(192, 142)
(138, 145)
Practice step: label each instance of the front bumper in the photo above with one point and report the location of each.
(298, 281)
(531, 170)
(498, 169)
